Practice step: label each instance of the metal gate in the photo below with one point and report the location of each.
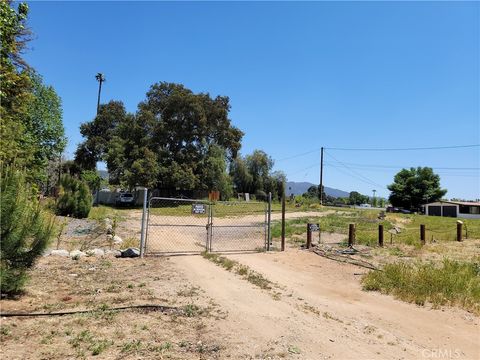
(193, 226)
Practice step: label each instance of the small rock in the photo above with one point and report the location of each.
(108, 221)
(76, 254)
(109, 229)
(64, 253)
(117, 239)
(95, 252)
(116, 253)
(73, 275)
(130, 253)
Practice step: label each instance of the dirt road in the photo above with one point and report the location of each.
(317, 310)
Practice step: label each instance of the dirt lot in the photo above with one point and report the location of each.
(315, 310)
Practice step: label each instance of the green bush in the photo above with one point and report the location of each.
(74, 198)
(25, 230)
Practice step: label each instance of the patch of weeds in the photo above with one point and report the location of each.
(191, 310)
(329, 316)
(98, 346)
(188, 292)
(113, 288)
(83, 337)
(5, 330)
(451, 282)
(130, 286)
(144, 327)
(293, 349)
(242, 270)
(48, 338)
(258, 280)
(395, 251)
(311, 309)
(131, 346)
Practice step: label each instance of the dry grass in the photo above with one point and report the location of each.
(97, 284)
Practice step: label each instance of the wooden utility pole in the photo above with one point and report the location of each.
(100, 78)
(459, 230)
(321, 176)
(422, 234)
(283, 221)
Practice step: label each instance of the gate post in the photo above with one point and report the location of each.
(143, 230)
(269, 218)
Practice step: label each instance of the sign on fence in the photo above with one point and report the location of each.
(198, 209)
(314, 227)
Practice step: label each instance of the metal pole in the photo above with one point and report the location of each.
(321, 176)
(283, 221)
(269, 239)
(144, 214)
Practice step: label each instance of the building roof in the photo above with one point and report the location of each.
(466, 203)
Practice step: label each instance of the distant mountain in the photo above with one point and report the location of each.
(298, 188)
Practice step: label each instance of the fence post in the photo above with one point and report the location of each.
(144, 214)
(309, 236)
(351, 234)
(283, 222)
(459, 230)
(380, 235)
(269, 231)
(422, 234)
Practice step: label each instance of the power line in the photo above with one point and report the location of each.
(379, 149)
(399, 166)
(356, 172)
(407, 149)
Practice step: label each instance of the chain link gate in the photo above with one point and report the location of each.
(185, 226)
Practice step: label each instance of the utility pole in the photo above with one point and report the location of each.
(373, 200)
(321, 176)
(100, 78)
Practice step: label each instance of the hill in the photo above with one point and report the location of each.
(298, 188)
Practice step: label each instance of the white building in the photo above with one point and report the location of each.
(461, 209)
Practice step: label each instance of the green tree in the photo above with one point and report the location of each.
(44, 128)
(75, 198)
(166, 143)
(355, 198)
(259, 165)
(415, 186)
(25, 230)
(15, 84)
(241, 177)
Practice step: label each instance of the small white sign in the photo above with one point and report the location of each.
(199, 209)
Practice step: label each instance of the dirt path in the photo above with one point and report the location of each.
(322, 313)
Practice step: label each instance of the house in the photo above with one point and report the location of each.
(461, 209)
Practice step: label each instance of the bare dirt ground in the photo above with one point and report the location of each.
(313, 309)
(320, 311)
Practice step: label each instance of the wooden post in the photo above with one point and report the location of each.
(422, 234)
(459, 230)
(351, 234)
(309, 236)
(380, 235)
(283, 222)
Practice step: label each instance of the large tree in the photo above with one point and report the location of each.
(31, 129)
(415, 186)
(176, 140)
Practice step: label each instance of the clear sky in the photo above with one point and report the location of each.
(299, 76)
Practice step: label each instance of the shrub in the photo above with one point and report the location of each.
(74, 198)
(25, 230)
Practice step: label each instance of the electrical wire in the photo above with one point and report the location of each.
(407, 149)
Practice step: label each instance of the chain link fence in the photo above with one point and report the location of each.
(194, 226)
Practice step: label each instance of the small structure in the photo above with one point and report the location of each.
(461, 209)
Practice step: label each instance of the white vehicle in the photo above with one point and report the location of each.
(125, 199)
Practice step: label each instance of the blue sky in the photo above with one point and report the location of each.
(299, 76)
